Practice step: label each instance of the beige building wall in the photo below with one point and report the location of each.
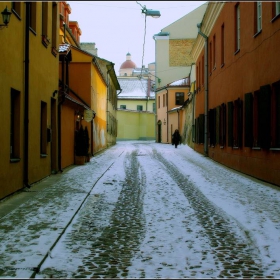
(173, 46)
(135, 125)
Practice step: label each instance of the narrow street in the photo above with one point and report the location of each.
(148, 210)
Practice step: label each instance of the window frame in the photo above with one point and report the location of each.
(237, 28)
(179, 98)
(14, 125)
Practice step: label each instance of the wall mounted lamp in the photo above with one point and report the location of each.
(6, 15)
(79, 115)
(164, 122)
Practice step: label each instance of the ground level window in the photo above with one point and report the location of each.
(275, 115)
(43, 138)
(122, 106)
(139, 108)
(15, 124)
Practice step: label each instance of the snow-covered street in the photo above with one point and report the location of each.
(147, 210)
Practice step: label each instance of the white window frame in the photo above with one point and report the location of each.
(259, 16)
(238, 27)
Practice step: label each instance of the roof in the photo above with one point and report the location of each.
(128, 64)
(134, 88)
(181, 82)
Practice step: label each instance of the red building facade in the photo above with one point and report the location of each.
(237, 112)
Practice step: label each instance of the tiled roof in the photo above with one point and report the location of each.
(134, 88)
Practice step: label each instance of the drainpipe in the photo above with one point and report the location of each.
(167, 130)
(178, 119)
(26, 96)
(108, 92)
(59, 114)
(206, 90)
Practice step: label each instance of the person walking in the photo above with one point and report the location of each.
(176, 138)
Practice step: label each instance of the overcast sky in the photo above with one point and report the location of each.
(117, 27)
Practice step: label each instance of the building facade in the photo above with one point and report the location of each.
(28, 135)
(237, 87)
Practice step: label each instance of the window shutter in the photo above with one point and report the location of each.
(230, 124)
(277, 100)
(264, 108)
(217, 124)
(240, 122)
(249, 120)
(201, 129)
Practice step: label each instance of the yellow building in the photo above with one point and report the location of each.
(136, 109)
(28, 81)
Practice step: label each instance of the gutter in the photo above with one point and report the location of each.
(206, 90)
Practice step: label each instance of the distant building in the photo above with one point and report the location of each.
(129, 68)
(136, 102)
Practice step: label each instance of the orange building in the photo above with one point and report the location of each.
(87, 95)
(171, 100)
(237, 112)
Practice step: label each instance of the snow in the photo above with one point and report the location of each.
(188, 202)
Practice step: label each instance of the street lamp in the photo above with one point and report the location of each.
(154, 14)
(6, 15)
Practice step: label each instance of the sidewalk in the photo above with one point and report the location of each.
(33, 220)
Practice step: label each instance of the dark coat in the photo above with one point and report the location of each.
(176, 138)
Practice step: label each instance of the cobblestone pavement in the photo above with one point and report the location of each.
(128, 227)
(142, 210)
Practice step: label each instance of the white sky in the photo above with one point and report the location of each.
(117, 27)
(184, 195)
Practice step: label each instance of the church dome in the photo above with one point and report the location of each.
(128, 63)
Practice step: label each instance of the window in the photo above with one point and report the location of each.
(237, 123)
(197, 77)
(43, 132)
(222, 125)
(214, 52)
(210, 57)
(237, 28)
(262, 117)
(158, 101)
(122, 106)
(54, 26)
(164, 100)
(264, 114)
(15, 124)
(32, 21)
(212, 127)
(16, 8)
(154, 107)
(199, 129)
(275, 116)
(275, 10)
(222, 45)
(248, 137)
(258, 17)
(179, 98)
(202, 74)
(45, 39)
(139, 108)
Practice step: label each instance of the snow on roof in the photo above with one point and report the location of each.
(181, 82)
(134, 88)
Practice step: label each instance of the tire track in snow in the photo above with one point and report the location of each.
(237, 252)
